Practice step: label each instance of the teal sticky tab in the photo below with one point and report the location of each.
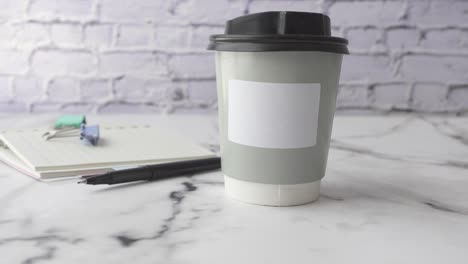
(70, 121)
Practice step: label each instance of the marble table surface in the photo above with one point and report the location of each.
(396, 191)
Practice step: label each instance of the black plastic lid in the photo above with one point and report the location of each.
(279, 31)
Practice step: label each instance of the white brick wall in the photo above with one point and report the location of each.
(149, 55)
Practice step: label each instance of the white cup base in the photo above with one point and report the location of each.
(272, 194)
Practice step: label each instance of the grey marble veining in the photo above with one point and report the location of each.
(396, 191)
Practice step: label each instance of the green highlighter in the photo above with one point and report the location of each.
(70, 121)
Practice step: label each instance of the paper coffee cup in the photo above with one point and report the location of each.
(277, 77)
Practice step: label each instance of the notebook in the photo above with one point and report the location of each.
(119, 146)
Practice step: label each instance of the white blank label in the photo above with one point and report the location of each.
(273, 115)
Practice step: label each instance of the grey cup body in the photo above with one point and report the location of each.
(283, 166)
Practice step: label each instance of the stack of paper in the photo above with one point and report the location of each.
(27, 151)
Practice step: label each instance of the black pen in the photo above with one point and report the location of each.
(154, 172)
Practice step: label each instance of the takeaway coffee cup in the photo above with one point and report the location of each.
(277, 76)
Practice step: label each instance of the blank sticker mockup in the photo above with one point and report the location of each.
(273, 115)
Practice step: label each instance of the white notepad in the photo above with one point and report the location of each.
(119, 146)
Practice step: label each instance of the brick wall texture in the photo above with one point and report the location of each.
(149, 55)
